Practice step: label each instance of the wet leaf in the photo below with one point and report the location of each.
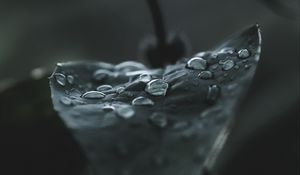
(199, 93)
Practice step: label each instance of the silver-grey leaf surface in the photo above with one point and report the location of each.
(167, 121)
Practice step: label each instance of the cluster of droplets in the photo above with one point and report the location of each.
(152, 85)
(199, 63)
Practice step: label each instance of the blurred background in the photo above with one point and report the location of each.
(41, 33)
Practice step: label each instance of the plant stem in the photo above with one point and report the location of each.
(158, 22)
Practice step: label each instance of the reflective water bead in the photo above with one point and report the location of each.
(125, 111)
(213, 93)
(130, 66)
(145, 78)
(70, 79)
(197, 63)
(158, 120)
(66, 101)
(104, 87)
(60, 79)
(100, 74)
(157, 87)
(93, 95)
(205, 75)
(243, 53)
(142, 101)
(228, 64)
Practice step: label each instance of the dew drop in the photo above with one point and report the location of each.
(213, 93)
(143, 101)
(60, 79)
(228, 64)
(158, 120)
(130, 66)
(125, 111)
(229, 50)
(66, 101)
(105, 87)
(247, 66)
(197, 63)
(108, 108)
(205, 75)
(243, 53)
(120, 89)
(145, 78)
(215, 66)
(157, 87)
(180, 125)
(93, 95)
(101, 74)
(236, 67)
(70, 79)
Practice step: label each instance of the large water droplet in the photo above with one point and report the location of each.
(243, 53)
(93, 95)
(125, 111)
(158, 120)
(228, 64)
(145, 78)
(105, 87)
(213, 93)
(197, 63)
(66, 101)
(101, 74)
(142, 101)
(60, 79)
(157, 87)
(70, 79)
(205, 75)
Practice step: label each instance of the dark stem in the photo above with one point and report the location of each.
(158, 22)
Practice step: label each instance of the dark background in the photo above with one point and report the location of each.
(40, 33)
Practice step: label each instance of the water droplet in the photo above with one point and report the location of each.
(236, 67)
(130, 66)
(213, 93)
(243, 53)
(180, 125)
(197, 63)
(247, 66)
(228, 64)
(145, 78)
(158, 120)
(142, 101)
(120, 89)
(105, 87)
(229, 50)
(93, 95)
(125, 111)
(60, 79)
(66, 101)
(70, 79)
(108, 108)
(215, 66)
(205, 75)
(157, 87)
(221, 61)
(135, 86)
(101, 74)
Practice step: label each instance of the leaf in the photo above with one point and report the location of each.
(166, 121)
